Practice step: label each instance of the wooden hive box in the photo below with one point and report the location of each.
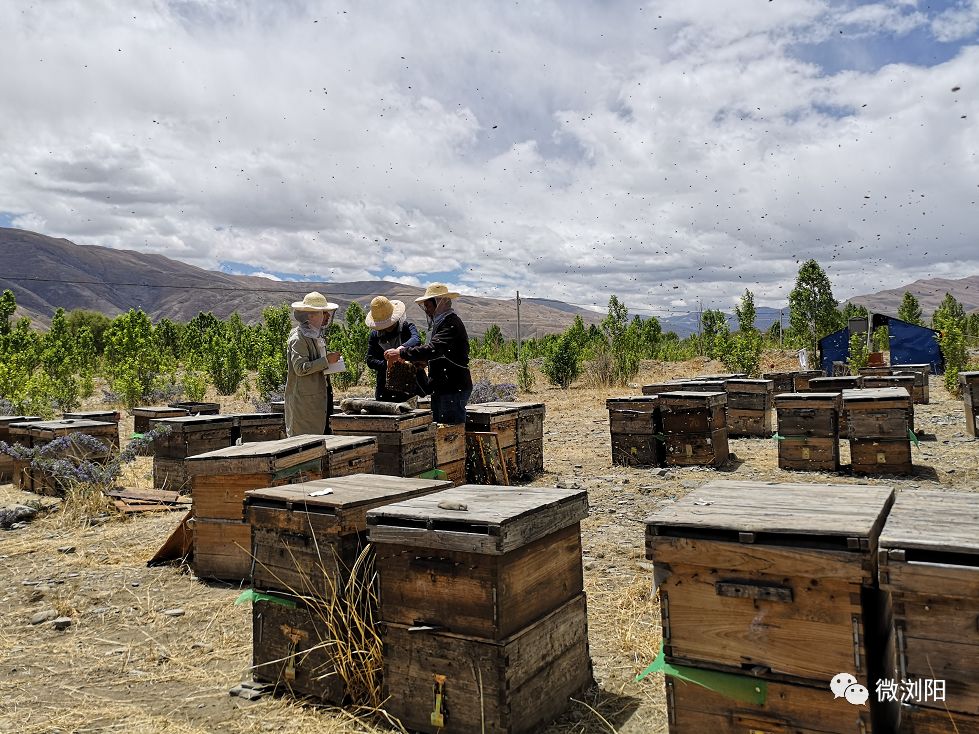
(41, 481)
(103, 416)
(694, 428)
(405, 443)
(749, 407)
(837, 384)
(346, 455)
(808, 431)
(920, 720)
(722, 377)
(193, 408)
(705, 384)
(875, 371)
(775, 580)
(189, 435)
(905, 382)
(969, 387)
(512, 556)
(457, 684)
(497, 589)
(7, 462)
(921, 394)
(143, 415)
(278, 406)
(303, 539)
(450, 452)
(20, 434)
(530, 437)
(484, 418)
(636, 431)
(802, 377)
(782, 381)
(880, 423)
(787, 709)
(220, 479)
(252, 427)
(929, 569)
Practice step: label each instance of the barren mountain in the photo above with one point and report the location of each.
(46, 273)
(928, 292)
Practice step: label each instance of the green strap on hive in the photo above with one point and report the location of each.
(738, 687)
(778, 437)
(250, 595)
(914, 439)
(432, 474)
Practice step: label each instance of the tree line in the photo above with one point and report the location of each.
(138, 362)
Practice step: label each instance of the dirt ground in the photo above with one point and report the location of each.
(155, 649)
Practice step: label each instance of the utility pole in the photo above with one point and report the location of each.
(781, 328)
(518, 325)
(700, 328)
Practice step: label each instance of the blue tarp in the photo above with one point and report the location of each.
(909, 344)
(912, 344)
(834, 348)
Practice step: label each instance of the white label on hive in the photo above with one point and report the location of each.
(688, 448)
(881, 458)
(805, 453)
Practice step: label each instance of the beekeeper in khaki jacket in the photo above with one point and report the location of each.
(309, 394)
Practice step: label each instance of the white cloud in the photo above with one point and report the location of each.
(674, 154)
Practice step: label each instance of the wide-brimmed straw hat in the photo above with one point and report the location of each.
(314, 301)
(384, 313)
(437, 290)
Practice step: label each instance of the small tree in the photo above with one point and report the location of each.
(132, 359)
(859, 355)
(910, 310)
(812, 307)
(950, 320)
(562, 366)
(715, 333)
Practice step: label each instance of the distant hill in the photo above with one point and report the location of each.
(47, 273)
(929, 293)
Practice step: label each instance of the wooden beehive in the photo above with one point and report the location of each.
(450, 452)
(929, 569)
(512, 556)
(405, 443)
(514, 686)
(921, 373)
(530, 437)
(20, 434)
(38, 479)
(787, 709)
(493, 577)
(194, 408)
(103, 416)
(189, 435)
(775, 580)
(798, 556)
(220, 479)
(278, 406)
(875, 371)
(694, 428)
(905, 382)
(808, 431)
(252, 427)
(7, 462)
(143, 415)
(919, 720)
(969, 387)
(636, 431)
(749, 407)
(705, 384)
(837, 385)
(304, 540)
(801, 380)
(781, 381)
(880, 423)
(484, 418)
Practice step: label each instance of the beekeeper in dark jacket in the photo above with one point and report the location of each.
(390, 330)
(447, 354)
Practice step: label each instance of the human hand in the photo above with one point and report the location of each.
(333, 357)
(392, 355)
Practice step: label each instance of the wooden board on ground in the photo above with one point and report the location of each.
(178, 546)
(485, 460)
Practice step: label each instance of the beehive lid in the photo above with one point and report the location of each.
(191, 423)
(876, 395)
(523, 408)
(109, 416)
(933, 521)
(279, 447)
(10, 419)
(668, 386)
(625, 403)
(364, 423)
(723, 376)
(916, 367)
(844, 381)
(967, 378)
(252, 419)
(739, 384)
(158, 411)
(67, 425)
(348, 498)
(494, 521)
(846, 516)
(490, 410)
(705, 385)
(692, 399)
(807, 397)
(192, 407)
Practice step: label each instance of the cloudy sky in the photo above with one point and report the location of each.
(669, 152)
